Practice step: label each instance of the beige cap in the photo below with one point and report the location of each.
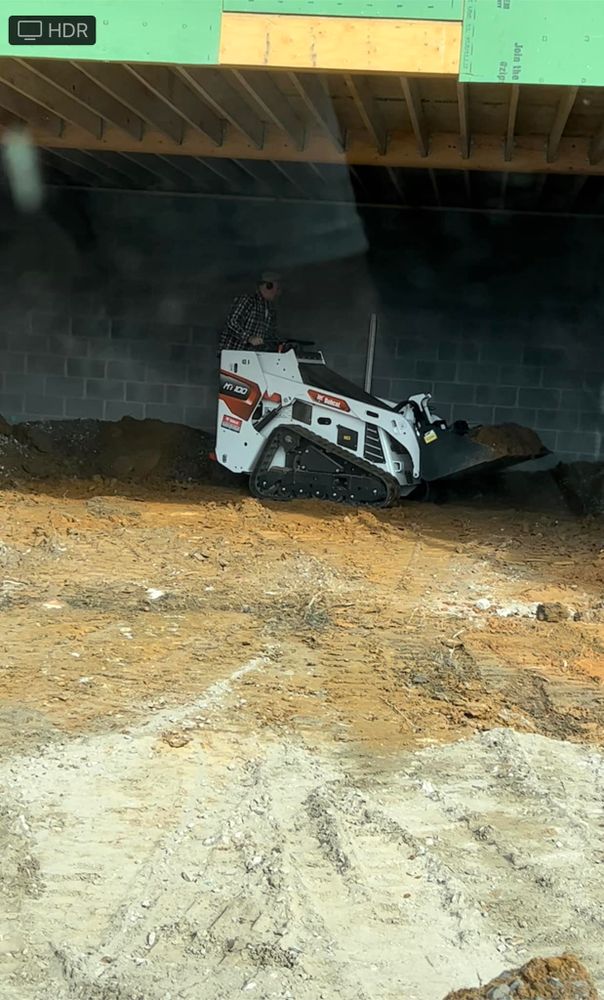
(271, 276)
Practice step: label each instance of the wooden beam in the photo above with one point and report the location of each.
(88, 162)
(35, 116)
(368, 110)
(340, 44)
(289, 173)
(487, 151)
(70, 81)
(27, 83)
(416, 114)
(129, 167)
(213, 88)
(318, 102)
(273, 103)
(160, 167)
(172, 90)
(596, 147)
(508, 148)
(565, 106)
(227, 170)
(464, 120)
(116, 81)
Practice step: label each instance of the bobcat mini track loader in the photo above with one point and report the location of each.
(300, 430)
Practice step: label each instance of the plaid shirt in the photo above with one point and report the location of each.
(250, 316)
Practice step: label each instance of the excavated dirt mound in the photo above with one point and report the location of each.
(509, 440)
(126, 450)
(561, 978)
(582, 486)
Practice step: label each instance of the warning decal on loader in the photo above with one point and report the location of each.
(231, 423)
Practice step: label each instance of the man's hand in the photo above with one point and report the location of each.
(255, 341)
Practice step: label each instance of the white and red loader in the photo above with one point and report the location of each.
(300, 430)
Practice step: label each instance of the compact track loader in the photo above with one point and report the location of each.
(300, 430)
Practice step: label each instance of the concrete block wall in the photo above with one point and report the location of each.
(112, 306)
(58, 365)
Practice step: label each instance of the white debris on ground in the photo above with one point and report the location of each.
(232, 861)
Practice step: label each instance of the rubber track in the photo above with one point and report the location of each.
(266, 456)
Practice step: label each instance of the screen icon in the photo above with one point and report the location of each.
(29, 31)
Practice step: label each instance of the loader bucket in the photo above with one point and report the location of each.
(455, 452)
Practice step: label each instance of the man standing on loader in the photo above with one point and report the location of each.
(252, 321)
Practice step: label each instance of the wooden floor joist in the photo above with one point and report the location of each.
(487, 151)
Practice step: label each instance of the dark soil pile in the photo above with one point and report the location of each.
(510, 440)
(562, 978)
(127, 450)
(582, 486)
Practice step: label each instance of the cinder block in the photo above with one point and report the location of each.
(88, 327)
(417, 347)
(114, 410)
(162, 411)
(205, 336)
(472, 413)
(145, 392)
(549, 356)
(497, 395)
(167, 372)
(107, 350)
(63, 385)
(84, 409)
(518, 375)
(559, 420)
(182, 395)
(579, 399)
(11, 403)
(45, 364)
(208, 374)
(130, 371)
(586, 442)
(454, 392)
(458, 350)
(548, 438)
(436, 371)
(515, 415)
(49, 324)
(562, 378)
(505, 353)
(16, 382)
(476, 373)
(44, 406)
(401, 389)
(543, 399)
(105, 388)
(86, 367)
(126, 329)
(380, 387)
(10, 361)
(199, 417)
(28, 343)
(594, 379)
(593, 421)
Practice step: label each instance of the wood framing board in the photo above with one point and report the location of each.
(420, 10)
(339, 44)
(533, 41)
(170, 31)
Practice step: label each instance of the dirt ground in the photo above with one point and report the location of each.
(293, 751)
